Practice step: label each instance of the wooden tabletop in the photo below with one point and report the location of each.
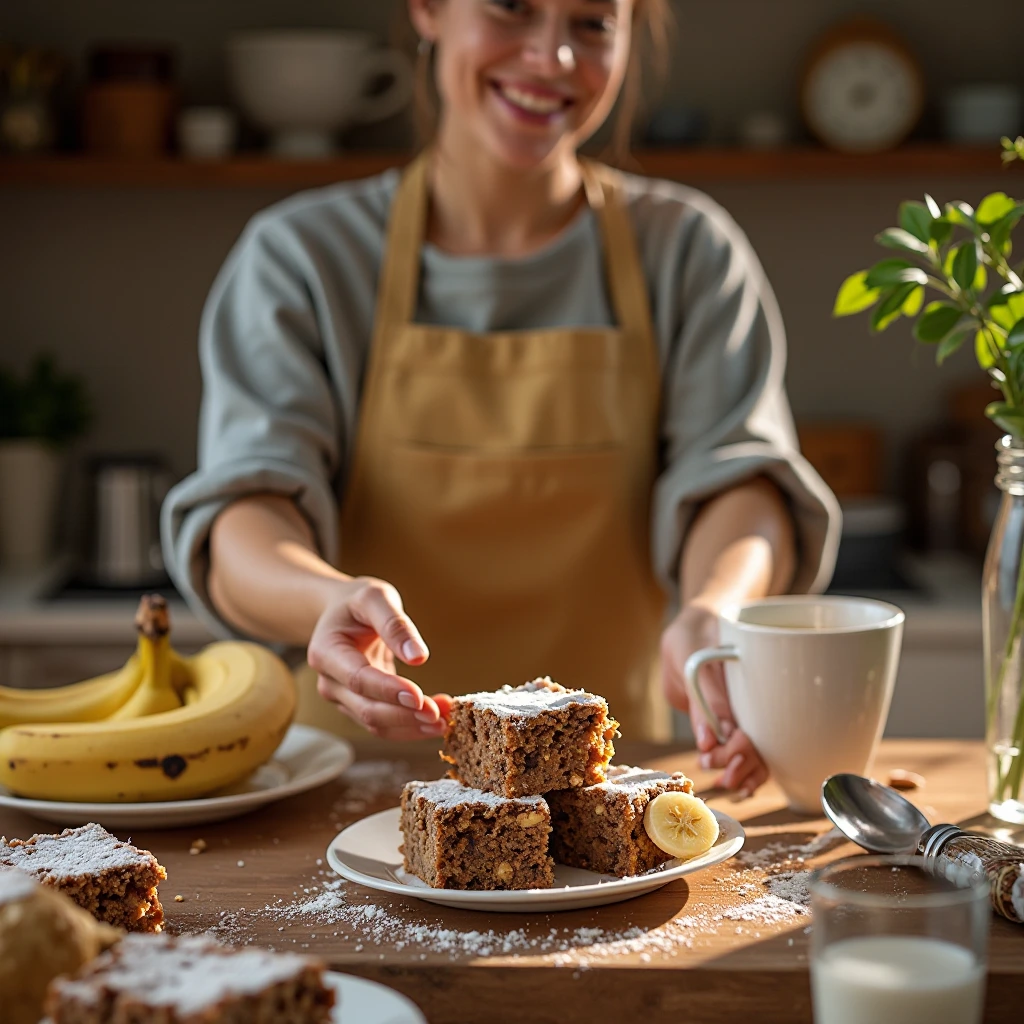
(718, 946)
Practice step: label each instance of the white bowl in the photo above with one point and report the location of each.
(305, 86)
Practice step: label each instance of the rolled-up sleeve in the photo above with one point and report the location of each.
(268, 420)
(725, 415)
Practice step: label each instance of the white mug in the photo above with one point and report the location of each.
(810, 680)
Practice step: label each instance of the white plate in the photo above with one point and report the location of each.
(367, 852)
(306, 758)
(365, 1002)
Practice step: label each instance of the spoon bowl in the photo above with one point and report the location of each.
(871, 815)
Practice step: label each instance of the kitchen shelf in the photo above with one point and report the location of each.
(695, 164)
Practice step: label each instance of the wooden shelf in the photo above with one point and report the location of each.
(697, 164)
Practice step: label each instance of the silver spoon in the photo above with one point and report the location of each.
(881, 820)
(873, 816)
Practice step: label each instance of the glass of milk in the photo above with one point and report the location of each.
(893, 941)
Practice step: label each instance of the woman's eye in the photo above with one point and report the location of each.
(512, 7)
(598, 26)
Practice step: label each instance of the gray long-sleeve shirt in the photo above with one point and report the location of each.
(288, 324)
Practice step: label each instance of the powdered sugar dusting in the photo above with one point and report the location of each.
(189, 973)
(625, 778)
(15, 886)
(447, 794)
(531, 698)
(86, 850)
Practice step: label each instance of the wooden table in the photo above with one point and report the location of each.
(736, 970)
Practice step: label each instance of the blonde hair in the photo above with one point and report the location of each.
(652, 25)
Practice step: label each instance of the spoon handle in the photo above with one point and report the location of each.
(1002, 863)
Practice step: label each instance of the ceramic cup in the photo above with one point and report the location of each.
(810, 680)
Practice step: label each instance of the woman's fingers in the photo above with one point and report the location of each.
(378, 605)
(743, 768)
(389, 721)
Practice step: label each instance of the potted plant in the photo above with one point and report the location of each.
(39, 416)
(964, 256)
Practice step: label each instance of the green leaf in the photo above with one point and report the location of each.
(1000, 231)
(950, 343)
(937, 320)
(889, 308)
(983, 350)
(965, 264)
(962, 214)
(854, 295)
(980, 279)
(993, 207)
(916, 220)
(1015, 335)
(932, 206)
(914, 301)
(1006, 306)
(897, 238)
(894, 271)
(1009, 417)
(941, 230)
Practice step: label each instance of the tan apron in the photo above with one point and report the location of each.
(502, 482)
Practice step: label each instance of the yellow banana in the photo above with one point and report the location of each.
(156, 691)
(243, 702)
(80, 702)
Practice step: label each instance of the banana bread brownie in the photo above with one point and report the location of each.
(157, 979)
(114, 881)
(601, 827)
(460, 838)
(529, 739)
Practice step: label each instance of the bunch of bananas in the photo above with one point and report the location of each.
(162, 727)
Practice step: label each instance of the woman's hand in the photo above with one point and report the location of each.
(696, 627)
(353, 648)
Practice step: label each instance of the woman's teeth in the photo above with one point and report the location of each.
(531, 101)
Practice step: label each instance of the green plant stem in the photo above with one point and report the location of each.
(1013, 635)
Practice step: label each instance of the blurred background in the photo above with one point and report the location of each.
(137, 138)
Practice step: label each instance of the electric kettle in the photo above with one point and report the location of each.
(127, 491)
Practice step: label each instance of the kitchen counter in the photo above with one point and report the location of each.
(717, 946)
(27, 616)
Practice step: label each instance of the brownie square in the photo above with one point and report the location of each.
(460, 838)
(114, 881)
(601, 827)
(529, 739)
(156, 979)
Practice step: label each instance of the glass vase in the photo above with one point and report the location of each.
(1003, 625)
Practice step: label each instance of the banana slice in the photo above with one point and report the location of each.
(681, 824)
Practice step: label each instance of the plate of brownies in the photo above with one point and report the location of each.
(533, 818)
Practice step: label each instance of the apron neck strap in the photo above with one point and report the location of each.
(398, 290)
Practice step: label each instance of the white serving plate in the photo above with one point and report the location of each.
(366, 1002)
(306, 758)
(367, 852)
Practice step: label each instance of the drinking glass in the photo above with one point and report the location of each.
(894, 941)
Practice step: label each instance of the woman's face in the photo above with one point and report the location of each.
(523, 78)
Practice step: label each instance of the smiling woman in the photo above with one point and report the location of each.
(510, 404)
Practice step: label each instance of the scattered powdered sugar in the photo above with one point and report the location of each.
(339, 909)
(781, 854)
(531, 698)
(15, 886)
(447, 794)
(88, 849)
(794, 886)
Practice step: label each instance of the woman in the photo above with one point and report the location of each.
(498, 411)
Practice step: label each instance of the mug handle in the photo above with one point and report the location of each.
(398, 92)
(694, 663)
